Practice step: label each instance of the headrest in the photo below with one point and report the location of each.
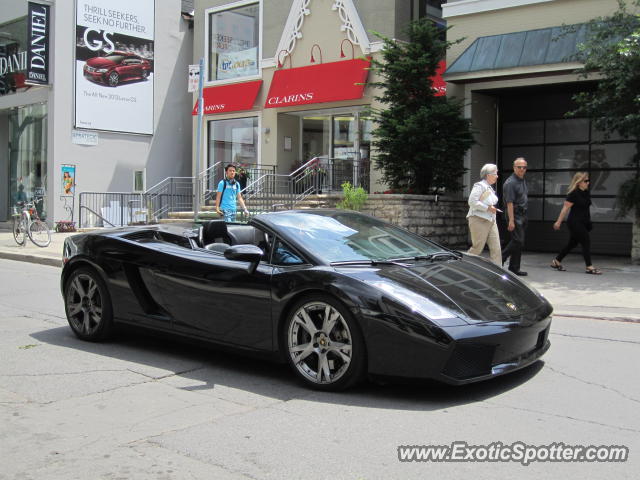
(245, 234)
(214, 229)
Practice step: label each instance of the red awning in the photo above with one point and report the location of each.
(439, 85)
(229, 98)
(326, 82)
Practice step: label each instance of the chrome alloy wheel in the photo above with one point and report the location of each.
(114, 79)
(319, 343)
(84, 304)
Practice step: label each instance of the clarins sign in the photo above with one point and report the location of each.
(38, 20)
(290, 99)
(326, 82)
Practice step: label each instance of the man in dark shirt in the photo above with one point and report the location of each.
(514, 193)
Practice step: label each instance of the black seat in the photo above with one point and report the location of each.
(215, 236)
(245, 235)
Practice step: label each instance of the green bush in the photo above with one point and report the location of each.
(354, 198)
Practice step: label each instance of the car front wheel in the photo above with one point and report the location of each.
(324, 345)
(88, 306)
(114, 79)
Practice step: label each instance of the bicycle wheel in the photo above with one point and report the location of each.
(39, 233)
(19, 230)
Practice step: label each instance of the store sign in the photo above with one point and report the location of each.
(229, 98)
(114, 66)
(13, 55)
(437, 82)
(80, 137)
(326, 82)
(237, 64)
(13, 63)
(38, 22)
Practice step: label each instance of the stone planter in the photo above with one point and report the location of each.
(438, 218)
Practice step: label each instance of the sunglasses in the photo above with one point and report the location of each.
(586, 180)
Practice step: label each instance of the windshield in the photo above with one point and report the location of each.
(350, 236)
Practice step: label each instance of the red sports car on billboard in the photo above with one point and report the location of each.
(116, 67)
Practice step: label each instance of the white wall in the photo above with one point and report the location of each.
(109, 166)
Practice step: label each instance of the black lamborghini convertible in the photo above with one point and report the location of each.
(337, 294)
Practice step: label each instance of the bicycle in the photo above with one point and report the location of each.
(26, 222)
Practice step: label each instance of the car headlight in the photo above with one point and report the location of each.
(102, 70)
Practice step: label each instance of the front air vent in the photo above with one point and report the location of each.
(470, 360)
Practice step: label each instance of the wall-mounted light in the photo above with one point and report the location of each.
(313, 60)
(353, 50)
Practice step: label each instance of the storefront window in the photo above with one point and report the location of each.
(233, 42)
(233, 141)
(28, 154)
(555, 150)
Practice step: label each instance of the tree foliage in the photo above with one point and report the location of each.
(420, 138)
(611, 51)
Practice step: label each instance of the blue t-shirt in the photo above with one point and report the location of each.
(228, 200)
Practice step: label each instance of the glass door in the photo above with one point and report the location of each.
(316, 137)
(28, 155)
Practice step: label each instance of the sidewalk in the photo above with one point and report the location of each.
(51, 255)
(614, 295)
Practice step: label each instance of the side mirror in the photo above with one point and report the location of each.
(245, 253)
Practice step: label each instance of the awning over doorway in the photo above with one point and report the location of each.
(326, 82)
(520, 49)
(229, 98)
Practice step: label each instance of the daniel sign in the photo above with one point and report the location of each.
(38, 28)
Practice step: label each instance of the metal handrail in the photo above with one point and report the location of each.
(83, 207)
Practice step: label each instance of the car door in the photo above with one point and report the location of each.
(134, 67)
(211, 297)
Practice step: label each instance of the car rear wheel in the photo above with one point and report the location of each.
(324, 345)
(145, 74)
(114, 79)
(88, 306)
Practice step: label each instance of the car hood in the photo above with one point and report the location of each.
(99, 62)
(470, 289)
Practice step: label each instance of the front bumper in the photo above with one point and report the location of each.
(94, 76)
(475, 352)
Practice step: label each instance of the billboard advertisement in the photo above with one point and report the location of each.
(114, 65)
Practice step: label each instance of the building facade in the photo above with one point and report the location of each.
(287, 81)
(516, 73)
(113, 112)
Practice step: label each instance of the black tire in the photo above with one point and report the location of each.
(113, 79)
(329, 353)
(87, 304)
(19, 230)
(145, 74)
(39, 233)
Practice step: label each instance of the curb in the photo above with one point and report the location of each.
(23, 257)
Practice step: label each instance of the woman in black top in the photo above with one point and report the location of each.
(579, 222)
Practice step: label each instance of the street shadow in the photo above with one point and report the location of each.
(204, 368)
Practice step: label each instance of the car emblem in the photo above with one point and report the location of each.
(511, 306)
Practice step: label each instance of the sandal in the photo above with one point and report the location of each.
(557, 265)
(593, 271)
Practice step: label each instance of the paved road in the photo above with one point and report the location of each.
(143, 408)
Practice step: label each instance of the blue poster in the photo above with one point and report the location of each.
(68, 179)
